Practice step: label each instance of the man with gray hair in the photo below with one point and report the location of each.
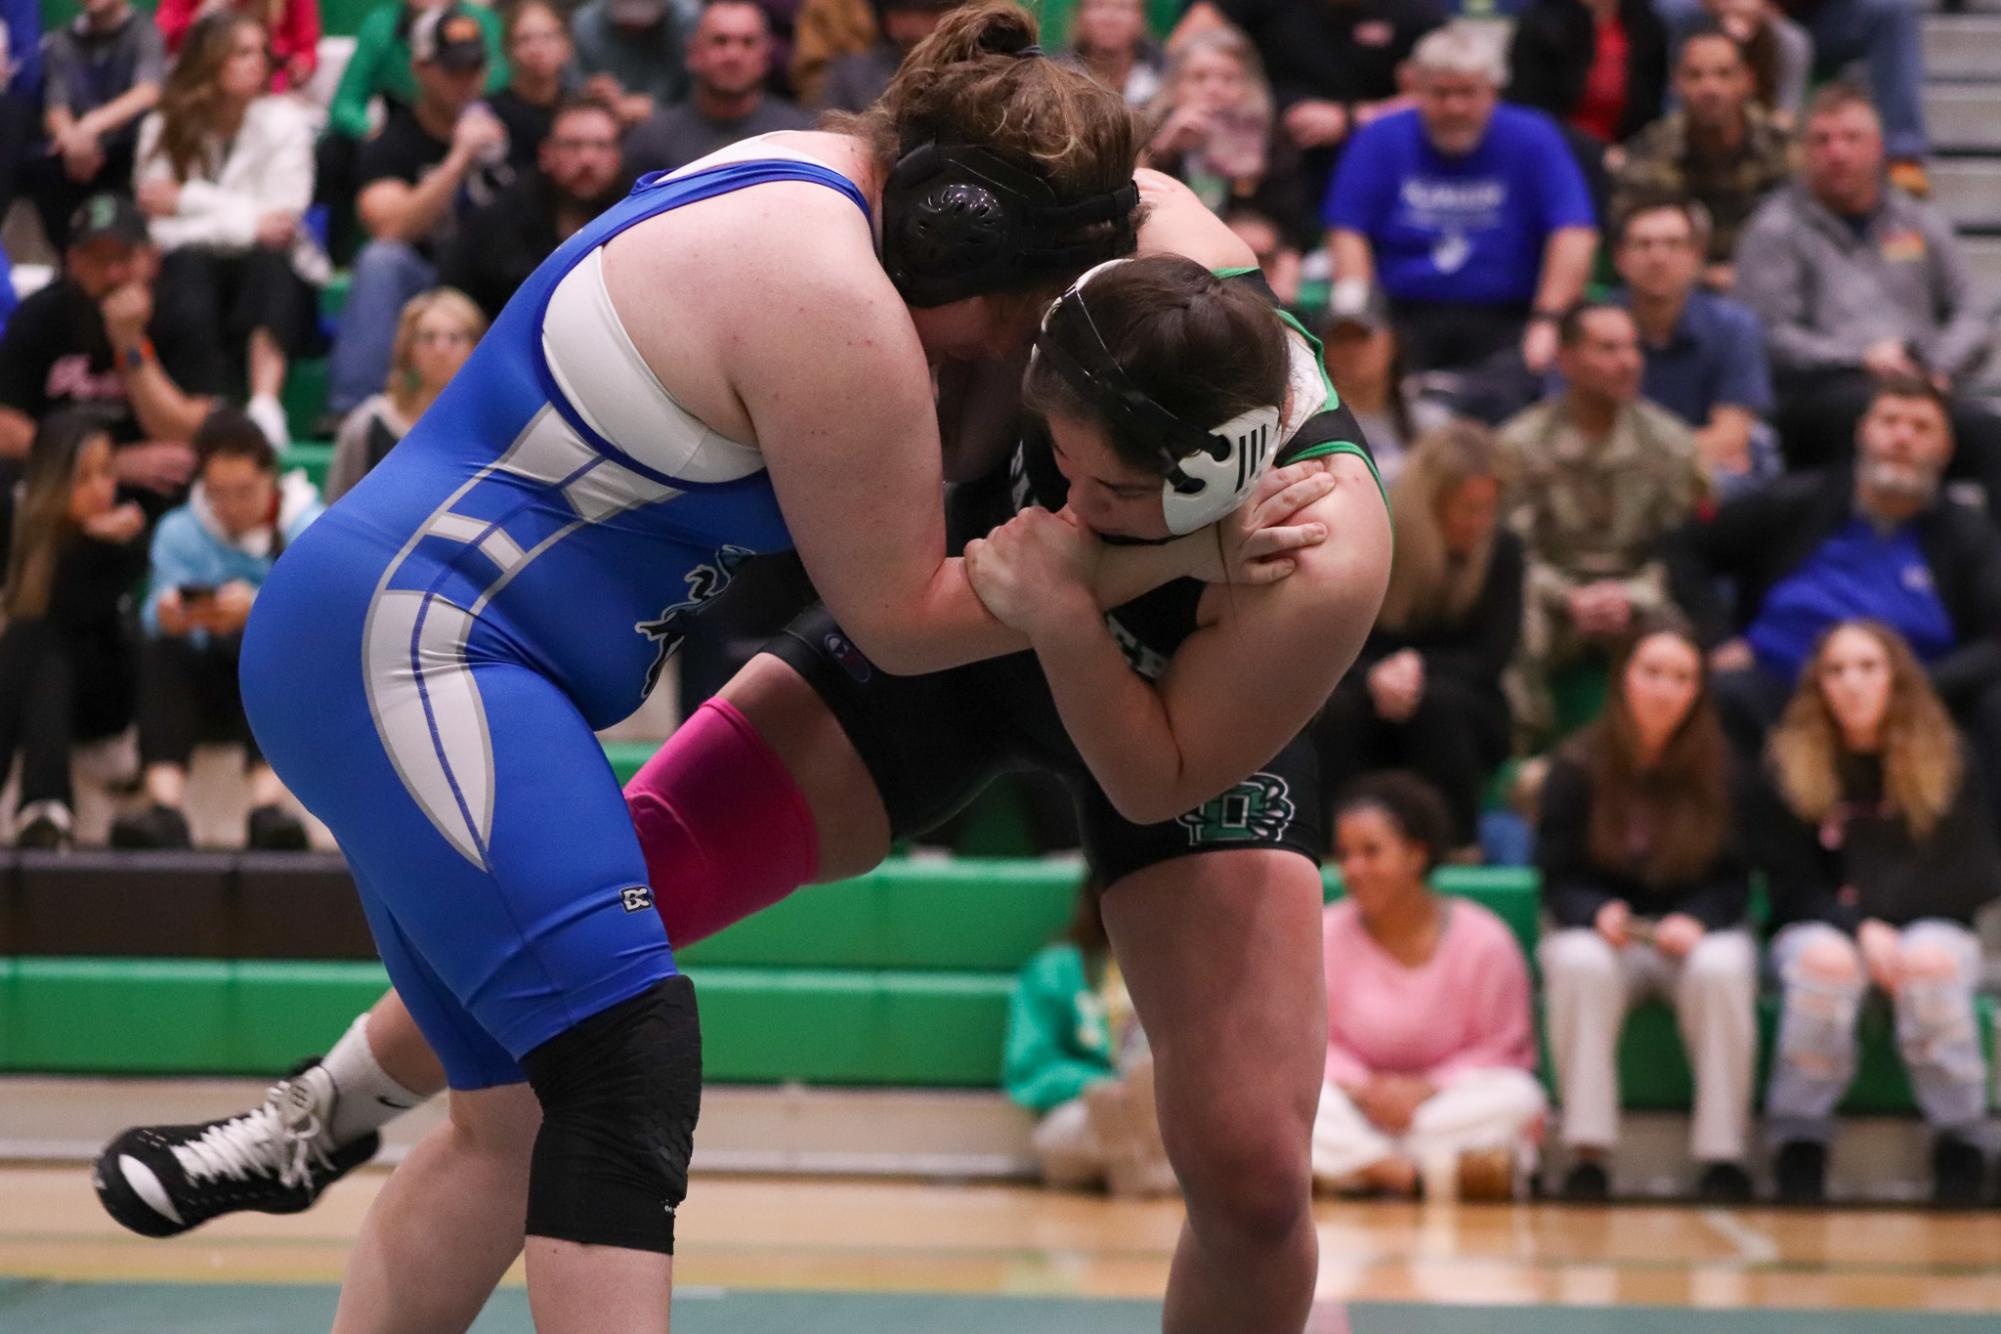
(1473, 220)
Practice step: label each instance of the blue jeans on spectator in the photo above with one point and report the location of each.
(1886, 33)
(386, 274)
(1938, 1034)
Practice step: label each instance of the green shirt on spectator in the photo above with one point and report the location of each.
(1058, 1041)
(381, 64)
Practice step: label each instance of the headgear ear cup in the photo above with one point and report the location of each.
(1221, 482)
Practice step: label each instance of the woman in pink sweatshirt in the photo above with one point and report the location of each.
(1430, 1040)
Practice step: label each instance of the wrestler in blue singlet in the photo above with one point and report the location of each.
(426, 666)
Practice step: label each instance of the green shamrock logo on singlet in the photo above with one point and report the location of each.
(1256, 810)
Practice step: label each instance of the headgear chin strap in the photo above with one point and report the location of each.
(1211, 471)
(959, 221)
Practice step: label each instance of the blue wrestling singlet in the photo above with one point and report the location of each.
(426, 666)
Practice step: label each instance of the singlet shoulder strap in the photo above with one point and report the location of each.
(724, 177)
(1326, 434)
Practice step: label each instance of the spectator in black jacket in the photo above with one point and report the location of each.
(578, 175)
(1879, 857)
(1425, 694)
(1600, 68)
(1646, 883)
(1876, 541)
(1597, 66)
(66, 656)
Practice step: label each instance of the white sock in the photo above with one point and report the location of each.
(269, 414)
(366, 1098)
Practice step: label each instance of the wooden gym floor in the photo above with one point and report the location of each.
(842, 1257)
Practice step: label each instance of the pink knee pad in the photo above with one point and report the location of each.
(725, 830)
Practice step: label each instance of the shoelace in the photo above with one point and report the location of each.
(281, 1137)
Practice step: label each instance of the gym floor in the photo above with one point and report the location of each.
(844, 1257)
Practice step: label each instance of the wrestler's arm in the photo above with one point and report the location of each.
(1243, 685)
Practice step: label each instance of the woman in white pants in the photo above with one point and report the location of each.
(1646, 884)
(1880, 858)
(1431, 1045)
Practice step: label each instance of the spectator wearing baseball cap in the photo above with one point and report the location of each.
(87, 340)
(433, 162)
(383, 63)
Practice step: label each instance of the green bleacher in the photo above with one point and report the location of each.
(900, 977)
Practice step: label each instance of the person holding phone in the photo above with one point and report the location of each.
(209, 557)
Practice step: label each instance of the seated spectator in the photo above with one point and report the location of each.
(1592, 479)
(209, 558)
(822, 32)
(87, 340)
(1361, 355)
(382, 64)
(854, 80)
(1075, 1055)
(1856, 281)
(1109, 38)
(631, 54)
(1430, 1037)
(294, 52)
(65, 657)
(102, 73)
(1425, 694)
(1216, 132)
(1769, 573)
(20, 93)
(729, 58)
(1598, 67)
(1705, 354)
(539, 52)
(578, 177)
(1335, 66)
(1881, 857)
(430, 164)
(226, 174)
(1718, 148)
(435, 333)
(1473, 219)
(1646, 885)
(1778, 50)
(1885, 34)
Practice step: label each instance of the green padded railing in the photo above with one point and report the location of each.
(898, 977)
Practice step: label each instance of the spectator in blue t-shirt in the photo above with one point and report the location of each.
(1473, 219)
(1705, 354)
(1764, 576)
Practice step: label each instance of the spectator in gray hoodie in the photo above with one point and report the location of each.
(1856, 282)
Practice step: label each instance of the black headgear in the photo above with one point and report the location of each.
(958, 221)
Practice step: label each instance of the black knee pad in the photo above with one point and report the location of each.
(620, 1093)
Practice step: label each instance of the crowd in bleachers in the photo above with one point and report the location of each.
(1678, 384)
